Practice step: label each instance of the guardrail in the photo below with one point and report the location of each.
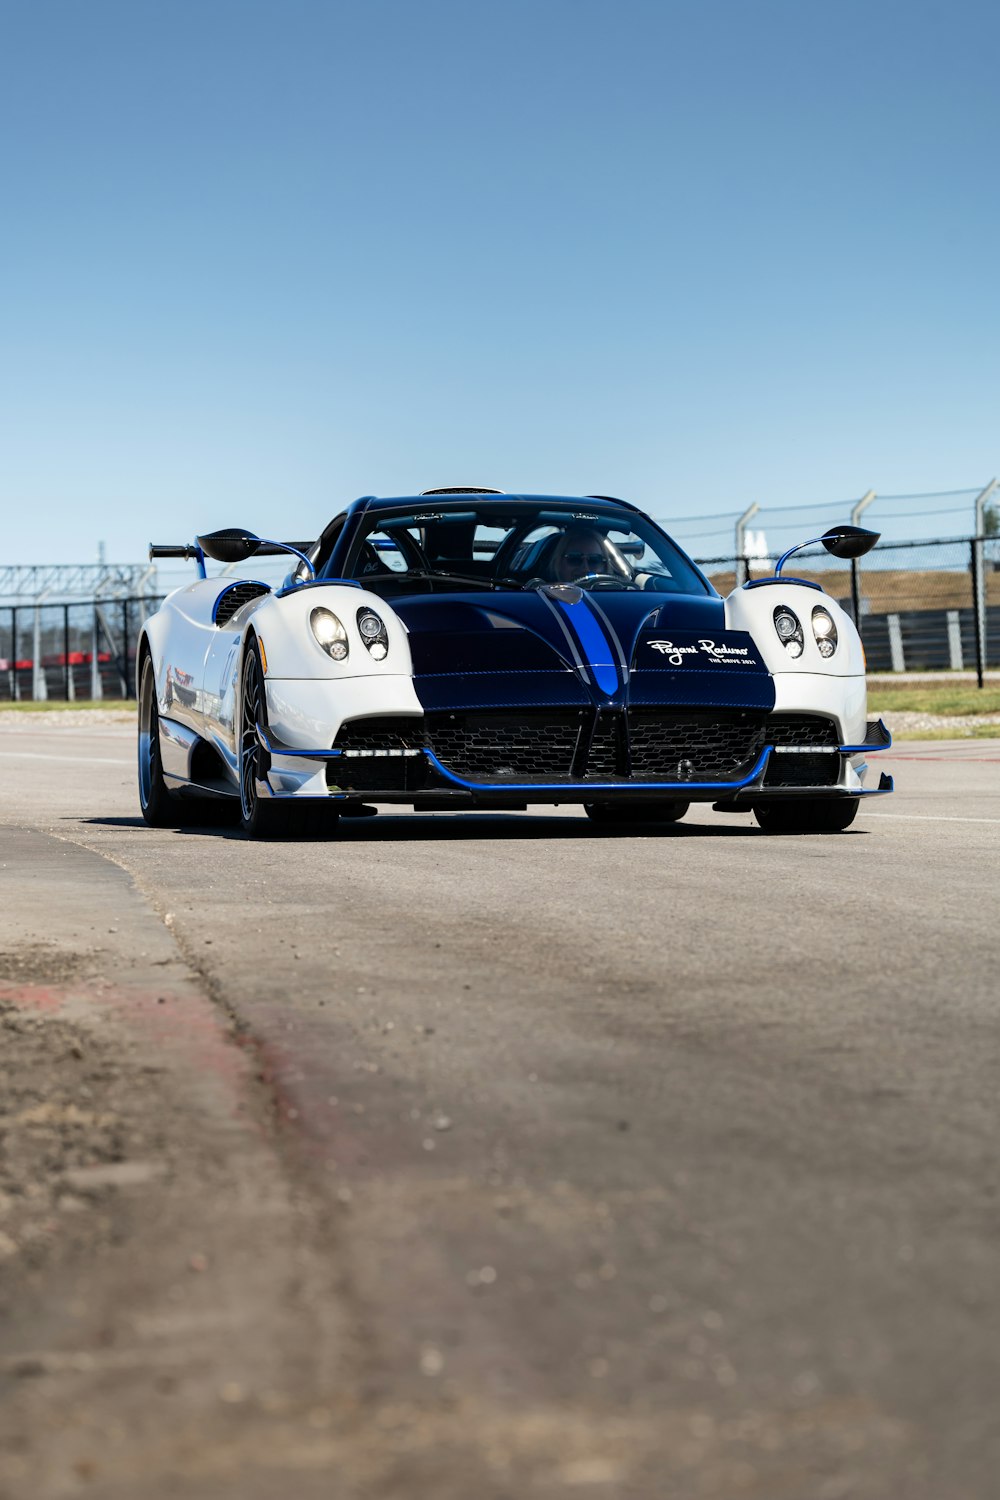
(919, 606)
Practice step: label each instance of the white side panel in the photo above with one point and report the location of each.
(842, 698)
(179, 635)
(307, 715)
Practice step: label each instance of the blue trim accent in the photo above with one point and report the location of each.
(529, 786)
(871, 749)
(315, 583)
(762, 583)
(287, 547)
(240, 583)
(595, 644)
(885, 786)
(601, 786)
(799, 546)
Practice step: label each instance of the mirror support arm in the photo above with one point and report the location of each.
(797, 548)
(287, 547)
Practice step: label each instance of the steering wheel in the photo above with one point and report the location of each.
(613, 578)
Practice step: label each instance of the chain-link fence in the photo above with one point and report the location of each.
(920, 606)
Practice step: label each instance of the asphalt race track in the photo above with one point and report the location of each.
(656, 1166)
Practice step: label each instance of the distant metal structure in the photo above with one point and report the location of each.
(75, 581)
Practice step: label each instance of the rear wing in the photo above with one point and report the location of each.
(191, 552)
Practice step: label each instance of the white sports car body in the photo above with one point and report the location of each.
(467, 648)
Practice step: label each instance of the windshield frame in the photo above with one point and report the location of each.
(518, 516)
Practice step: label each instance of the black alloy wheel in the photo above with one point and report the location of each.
(263, 817)
(159, 807)
(808, 815)
(258, 817)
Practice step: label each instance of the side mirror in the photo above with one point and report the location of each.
(231, 545)
(849, 541)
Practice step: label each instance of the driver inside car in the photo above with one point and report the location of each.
(582, 551)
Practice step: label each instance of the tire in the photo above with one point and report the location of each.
(262, 817)
(612, 814)
(818, 815)
(159, 806)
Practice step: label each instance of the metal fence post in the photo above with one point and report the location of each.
(67, 671)
(856, 593)
(126, 682)
(39, 685)
(13, 655)
(96, 687)
(978, 574)
(978, 612)
(741, 534)
(856, 513)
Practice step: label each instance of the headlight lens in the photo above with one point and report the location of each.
(371, 628)
(329, 633)
(825, 631)
(789, 631)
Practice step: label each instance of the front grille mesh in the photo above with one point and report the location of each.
(549, 745)
(802, 729)
(389, 732)
(528, 746)
(802, 770)
(602, 758)
(672, 746)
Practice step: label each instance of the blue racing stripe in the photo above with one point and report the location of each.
(594, 644)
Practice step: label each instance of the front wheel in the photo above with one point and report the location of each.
(159, 807)
(259, 817)
(265, 817)
(810, 815)
(612, 814)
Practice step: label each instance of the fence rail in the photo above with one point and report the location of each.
(71, 650)
(918, 605)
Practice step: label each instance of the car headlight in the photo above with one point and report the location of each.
(824, 630)
(371, 628)
(329, 633)
(789, 631)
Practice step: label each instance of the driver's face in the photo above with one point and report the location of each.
(582, 552)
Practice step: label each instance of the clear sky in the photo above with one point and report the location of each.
(258, 257)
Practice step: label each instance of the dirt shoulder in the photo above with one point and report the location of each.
(170, 1300)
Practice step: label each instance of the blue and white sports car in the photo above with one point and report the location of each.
(467, 648)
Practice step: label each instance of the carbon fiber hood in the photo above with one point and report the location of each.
(561, 646)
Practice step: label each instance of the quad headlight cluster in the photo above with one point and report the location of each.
(789, 631)
(825, 631)
(331, 635)
(371, 628)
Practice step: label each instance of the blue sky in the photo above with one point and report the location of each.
(259, 258)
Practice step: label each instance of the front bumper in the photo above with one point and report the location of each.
(417, 777)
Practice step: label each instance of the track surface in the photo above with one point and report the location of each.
(662, 1165)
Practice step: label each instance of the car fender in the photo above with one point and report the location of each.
(281, 621)
(834, 686)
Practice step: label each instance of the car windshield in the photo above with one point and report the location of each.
(489, 547)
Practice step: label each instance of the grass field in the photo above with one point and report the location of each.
(946, 697)
(58, 705)
(885, 700)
